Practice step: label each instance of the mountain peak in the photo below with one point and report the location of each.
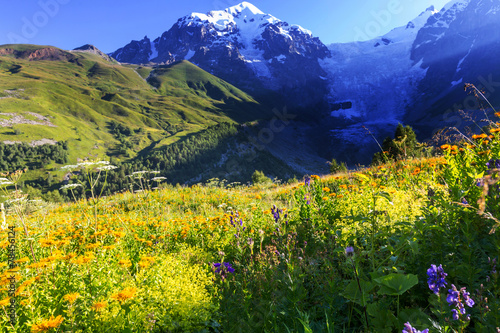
(89, 48)
(244, 7)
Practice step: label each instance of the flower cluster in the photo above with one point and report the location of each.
(48, 324)
(125, 294)
(277, 215)
(435, 278)
(409, 329)
(222, 268)
(307, 181)
(456, 301)
(236, 224)
(493, 164)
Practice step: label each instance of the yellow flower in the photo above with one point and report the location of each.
(71, 298)
(93, 246)
(325, 198)
(5, 301)
(125, 294)
(48, 324)
(22, 260)
(480, 136)
(258, 197)
(150, 259)
(315, 177)
(98, 306)
(144, 264)
(326, 189)
(333, 194)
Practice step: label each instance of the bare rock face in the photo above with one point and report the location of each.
(37, 54)
(135, 52)
(88, 48)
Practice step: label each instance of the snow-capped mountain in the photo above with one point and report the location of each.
(242, 45)
(371, 84)
(458, 45)
(365, 73)
(415, 74)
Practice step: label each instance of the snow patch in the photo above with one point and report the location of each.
(465, 57)
(189, 55)
(379, 81)
(281, 58)
(154, 52)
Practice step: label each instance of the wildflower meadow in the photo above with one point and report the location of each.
(410, 246)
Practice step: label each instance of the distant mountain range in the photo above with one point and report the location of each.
(293, 102)
(414, 74)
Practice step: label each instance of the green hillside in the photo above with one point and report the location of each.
(104, 108)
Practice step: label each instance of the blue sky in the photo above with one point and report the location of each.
(112, 24)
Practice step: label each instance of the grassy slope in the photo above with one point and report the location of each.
(81, 93)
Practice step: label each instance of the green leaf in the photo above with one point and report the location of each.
(382, 319)
(396, 284)
(384, 195)
(413, 246)
(352, 292)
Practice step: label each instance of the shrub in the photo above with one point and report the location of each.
(259, 177)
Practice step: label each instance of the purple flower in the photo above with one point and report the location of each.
(453, 297)
(435, 278)
(222, 268)
(455, 300)
(349, 251)
(276, 213)
(492, 164)
(307, 180)
(468, 301)
(409, 329)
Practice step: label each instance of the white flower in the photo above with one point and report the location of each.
(92, 163)
(69, 167)
(107, 168)
(138, 173)
(69, 186)
(3, 183)
(158, 179)
(154, 172)
(16, 200)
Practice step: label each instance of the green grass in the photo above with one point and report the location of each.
(82, 93)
